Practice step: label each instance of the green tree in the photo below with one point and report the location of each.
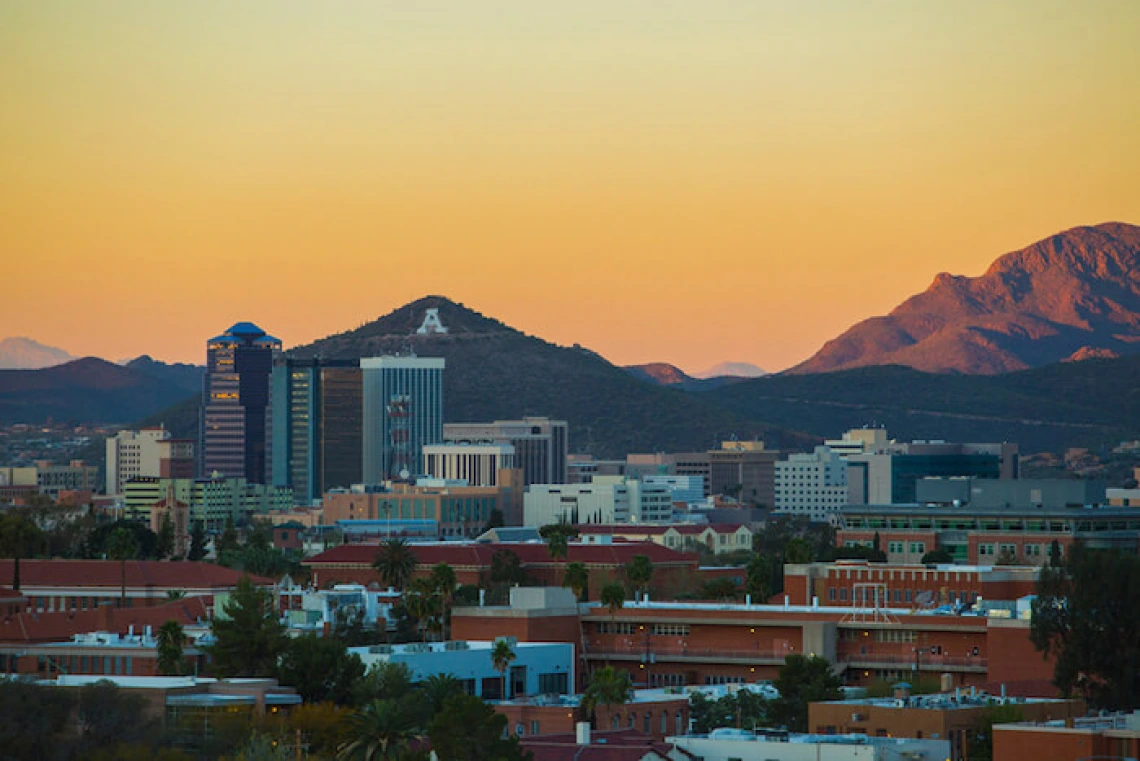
(803, 679)
(937, 557)
(608, 688)
(1084, 618)
(174, 595)
(495, 520)
(758, 579)
(557, 536)
(382, 729)
(324, 727)
(170, 640)
(577, 578)
(228, 541)
(33, 720)
(720, 589)
(395, 563)
(981, 737)
(501, 656)
(506, 568)
(164, 544)
(320, 668)
(122, 546)
(612, 597)
(250, 636)
(639, 573)
(1055, 554)
(424, 604)
(797, 550)
(437, 689)
(385, 681)
(19, 538)
(443, 581)
(197, 543)
(467, 729)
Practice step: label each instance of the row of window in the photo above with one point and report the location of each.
(898, 595)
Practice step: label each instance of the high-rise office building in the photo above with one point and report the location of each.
(403, 411)
(540, 444)
(318, 409)
(147, 452)
(236, 403)
(744, 470)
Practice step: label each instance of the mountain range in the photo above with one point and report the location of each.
(18, 353)
(1075, 294)
(1070, 297)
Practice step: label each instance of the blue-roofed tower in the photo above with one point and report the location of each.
(236, 403)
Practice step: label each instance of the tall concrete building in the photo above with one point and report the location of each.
(318, 433)
(403, 411)
(745, 470)
(235, 415)
(147, 452)
(812, 485)
(607, 499)
(540, 444)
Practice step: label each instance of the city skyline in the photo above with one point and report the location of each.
(675, 180)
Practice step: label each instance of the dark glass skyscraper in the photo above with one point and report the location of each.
(317, 425)
(234, 419)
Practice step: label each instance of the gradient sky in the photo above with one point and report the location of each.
(677, 181)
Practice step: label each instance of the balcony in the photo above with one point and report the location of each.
(967, 664)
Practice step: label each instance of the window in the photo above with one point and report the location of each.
(831, 594)
(1033, 550)
(534, 728)
(553, 684)
(918, 548)
(985, 550)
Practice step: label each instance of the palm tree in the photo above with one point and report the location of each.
(639, 572)
(577, 577)
(501, 657)
(395, 563)
(612, 597)
(175, 594)
(382, 729)
(607, 688)
(19, 537)
(423, 604)
(557, 536)
(170, 639)
(122, 546)
(443, 581)
(437, 688)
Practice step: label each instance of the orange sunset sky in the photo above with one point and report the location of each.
(688, 182)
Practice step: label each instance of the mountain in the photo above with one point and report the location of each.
(89, 390)
(661, 373)
(1066, 404)
(180, 375)
(26, 354)
(732, 370)
(497, 372)
(1078, 290)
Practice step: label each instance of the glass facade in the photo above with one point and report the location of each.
(403, 411)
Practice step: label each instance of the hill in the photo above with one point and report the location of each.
(732, 370)
(1086, 403)
(1075, 293)
(89, 390)
(183, 376)
(661, 373)
(497, 372)
(26, 354)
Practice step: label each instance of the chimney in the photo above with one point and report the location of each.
(582, 733)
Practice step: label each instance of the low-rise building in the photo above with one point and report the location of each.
(954, 716)
(537, 668)
(766, 745)
(606, 499)
(1099, 737)
(211, 502)
(718, 537)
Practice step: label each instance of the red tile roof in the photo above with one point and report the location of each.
(532, 554)
(159, 574)
(60, 626)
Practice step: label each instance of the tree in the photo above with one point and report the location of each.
(494, 520)
(385, 681)
(1055, 554)
(33, 719)
(437, 688)
(557, 536)
(197, 549)
(467, 729)
(320, 668)
(443, 582)
(324, 726)
(424, 604)
(122, 546)
(1084, 618)
(612, 597)
(395, 563)
(758, 579)
(607, 688)
(164, 544)
(506, 568)
(720, 589)
(108, 716)
(803, 679)
(639, 572)
(382, 729)
(981, 738)
(797, 551)
(228, 541)
(173, 595)
(249, 636)
(577, 578)
(170, 639)
(937, 557)
(501, 657)
(19, 538)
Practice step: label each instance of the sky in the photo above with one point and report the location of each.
(689, 182)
